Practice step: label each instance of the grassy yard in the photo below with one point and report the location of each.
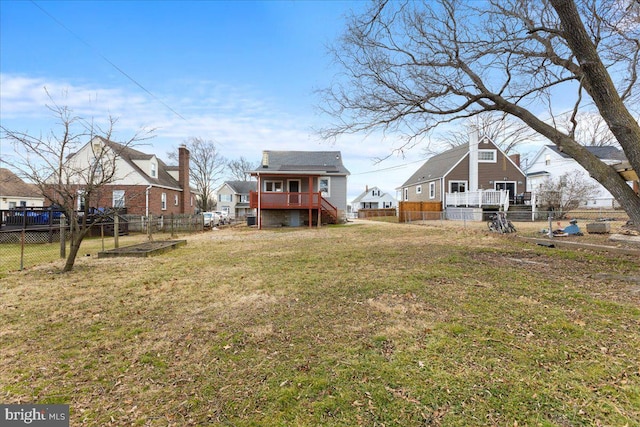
(371, 324)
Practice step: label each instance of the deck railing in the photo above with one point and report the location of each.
(285, 200)
(479, 198)
(292, 200)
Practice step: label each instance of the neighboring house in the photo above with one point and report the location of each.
(233, 198)
(373, 198)
(15, 193)
(470, 175)
(549, 163)
(143, 183)
(298, 188)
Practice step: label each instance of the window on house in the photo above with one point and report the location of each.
(432, 190)
(323, 187)
(163, 201)
(547, 159)
(273, 186)
(118, 199)
(243, 198)
(175, 200)
(225, 197)
(457, 186)
(487, 156)
(406, 194)
(12, 205)
(419, 189)
(154, 170)
(81, 200)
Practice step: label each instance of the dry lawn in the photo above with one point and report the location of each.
(365, 324)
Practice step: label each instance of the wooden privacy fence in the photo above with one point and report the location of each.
(416, 211)
(372, 213)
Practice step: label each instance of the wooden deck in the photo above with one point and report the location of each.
(289, 201)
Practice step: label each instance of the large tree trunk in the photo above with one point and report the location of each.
(612, 109)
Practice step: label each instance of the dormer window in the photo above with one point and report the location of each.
(154, 171)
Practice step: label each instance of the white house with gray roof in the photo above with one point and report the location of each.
(549, 163)
(298, 188)
(233, 198)
(373, 198)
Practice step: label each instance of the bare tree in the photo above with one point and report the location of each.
(207, 167)
(410, 67)
(567, 192)
(238, 169)
(73, 183)
(588, 128)
(505, 131)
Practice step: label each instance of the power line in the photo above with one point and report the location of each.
(390, 168)
(120, 70)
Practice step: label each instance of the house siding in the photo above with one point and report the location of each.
(558, 165)
(338, 192)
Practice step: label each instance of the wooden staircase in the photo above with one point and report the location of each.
(329, 213)
(519, 213)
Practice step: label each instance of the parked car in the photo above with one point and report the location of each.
(211, 219)
(224, 217)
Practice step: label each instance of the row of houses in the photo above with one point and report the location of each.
(289, 188)
(295, 188)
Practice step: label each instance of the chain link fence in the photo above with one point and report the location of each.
(26, 247)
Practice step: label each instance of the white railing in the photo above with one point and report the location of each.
(479, 198)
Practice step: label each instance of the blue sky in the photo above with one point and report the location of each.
(240, 73)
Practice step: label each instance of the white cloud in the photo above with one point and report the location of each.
(240, 120)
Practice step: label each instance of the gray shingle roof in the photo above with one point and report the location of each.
(242, 187)
(303, 161)
(438, 165)
(607, 152)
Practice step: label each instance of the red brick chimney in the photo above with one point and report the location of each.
(183, 179)
(516, 159)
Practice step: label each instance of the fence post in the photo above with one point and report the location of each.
(116, 231)
(63, 236)
(172, 218)
(149, 219)
(102, 235)
(22, 248)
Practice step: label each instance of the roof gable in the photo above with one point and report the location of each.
(132, 157)
(367, 195)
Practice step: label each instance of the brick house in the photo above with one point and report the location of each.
(143, 184)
